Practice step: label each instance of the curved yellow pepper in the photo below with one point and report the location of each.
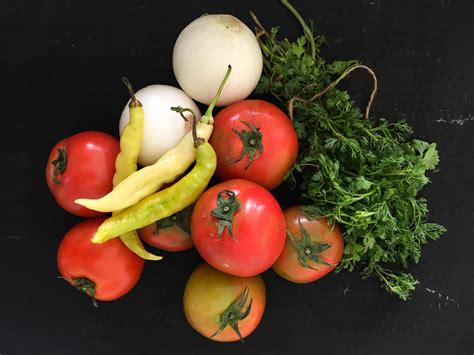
(126, 164)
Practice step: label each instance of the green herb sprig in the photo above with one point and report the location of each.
(362, 173)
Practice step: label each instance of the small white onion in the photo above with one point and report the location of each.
(203, 51)
(163, 128)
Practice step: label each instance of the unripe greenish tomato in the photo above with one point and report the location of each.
(223, 307)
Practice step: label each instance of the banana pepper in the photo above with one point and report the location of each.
(126, 164)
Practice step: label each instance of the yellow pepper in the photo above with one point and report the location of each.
(130, 141)
(126, 164)
(149, 179)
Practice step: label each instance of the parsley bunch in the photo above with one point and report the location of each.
(362, 173)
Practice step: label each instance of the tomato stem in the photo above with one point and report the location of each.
(251, 141)
(227, 206)
(234, 313)
(60, 164)
(84, 285)
(179, 219)
(308, 249)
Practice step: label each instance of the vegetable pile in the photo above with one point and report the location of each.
(358, 179)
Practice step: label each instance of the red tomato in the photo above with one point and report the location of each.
(171, 233)
(82, 166)
(103, 271)
(223, 307)
(254, 140)
(238, 227)
(316, 248)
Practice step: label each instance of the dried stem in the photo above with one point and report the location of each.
(333, 85)
(262, 29)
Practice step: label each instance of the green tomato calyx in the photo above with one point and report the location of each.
(251, 141)
(307, 249)
(227, 206)
(84, 285)
(234, 313)
(180, 219)
(60, 164)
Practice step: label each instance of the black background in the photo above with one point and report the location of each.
(62, 62)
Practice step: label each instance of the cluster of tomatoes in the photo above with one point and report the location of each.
(237, 226)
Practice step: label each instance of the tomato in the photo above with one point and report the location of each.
(171, 233)
(103, 271)
(223, 307)
(82, 166)
(238, 227)
(254, 140)
(317, 248)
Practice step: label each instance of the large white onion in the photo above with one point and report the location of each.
(203, 51)
(163, 128)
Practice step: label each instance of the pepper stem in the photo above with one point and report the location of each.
(134, 101)
(181, 110)
(207, 118)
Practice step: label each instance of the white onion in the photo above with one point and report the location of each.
(163, 128)
(203, 51)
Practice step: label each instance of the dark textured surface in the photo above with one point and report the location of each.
(63, 60)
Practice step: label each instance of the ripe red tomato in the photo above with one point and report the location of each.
(171, 233)
(103, 271)
(254, 140)
(223, 307)
(238, 227)
(315, 250)
(82, 166)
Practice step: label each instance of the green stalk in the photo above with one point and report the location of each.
(306, 29)
(207, 118)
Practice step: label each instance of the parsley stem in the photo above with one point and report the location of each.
(259, 25)
(266, 53)
(347, 172)
(398, 173)
(264, 48)
(306, 29)
(308, 164)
